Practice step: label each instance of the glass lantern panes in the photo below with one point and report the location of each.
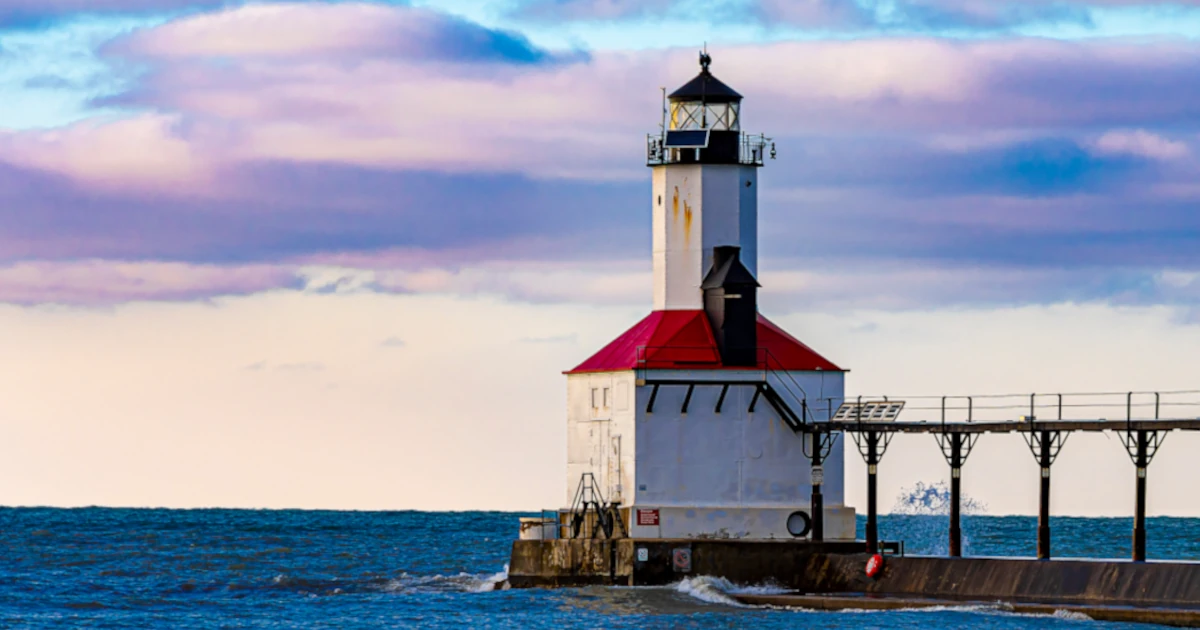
(697, 115)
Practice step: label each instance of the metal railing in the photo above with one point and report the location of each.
(1129, 406)
(753, 150)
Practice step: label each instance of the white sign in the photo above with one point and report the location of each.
(643, 554)
(818, 475)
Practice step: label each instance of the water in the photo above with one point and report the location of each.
(208, 569)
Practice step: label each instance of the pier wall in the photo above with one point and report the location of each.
(1166, 584)
(835, 568)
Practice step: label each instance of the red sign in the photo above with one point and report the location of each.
(647, 517)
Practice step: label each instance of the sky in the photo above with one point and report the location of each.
(336, 254)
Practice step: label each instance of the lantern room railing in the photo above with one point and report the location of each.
(752, 150)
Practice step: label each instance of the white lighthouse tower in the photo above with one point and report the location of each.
(688, 425)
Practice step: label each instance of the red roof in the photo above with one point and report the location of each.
(667, 340)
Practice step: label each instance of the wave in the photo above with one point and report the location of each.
(460, 583)
(404, 583)
(718, 590)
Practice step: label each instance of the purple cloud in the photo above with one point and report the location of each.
(993, 14)
(98, 282)
(847, 15)
(589, 10)
(318, 30)
(404, 160)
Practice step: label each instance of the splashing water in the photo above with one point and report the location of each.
(933, 500)
(718, 590)
(714, 590)
(921, 517)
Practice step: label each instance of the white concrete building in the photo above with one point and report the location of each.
(687, 421)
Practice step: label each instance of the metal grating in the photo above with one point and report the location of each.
(870, 411)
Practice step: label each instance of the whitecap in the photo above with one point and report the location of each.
(713, 590)
(462, 582)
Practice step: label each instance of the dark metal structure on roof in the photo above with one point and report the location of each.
(731, 304)
(705, 87)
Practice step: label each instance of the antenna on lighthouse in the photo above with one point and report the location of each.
(662, 126)
(705, 60)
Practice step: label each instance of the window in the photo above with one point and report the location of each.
(595, 398)
(694, 115)
(606, 399)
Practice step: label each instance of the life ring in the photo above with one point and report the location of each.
(799, 524)
(874, 565)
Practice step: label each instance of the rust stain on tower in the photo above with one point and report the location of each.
(687, 222)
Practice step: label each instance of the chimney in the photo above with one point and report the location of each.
(731, 303)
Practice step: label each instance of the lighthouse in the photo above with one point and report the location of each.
(689, 425)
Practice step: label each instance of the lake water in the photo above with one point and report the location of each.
(207, 569)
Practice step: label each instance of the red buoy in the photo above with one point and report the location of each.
(874, 565)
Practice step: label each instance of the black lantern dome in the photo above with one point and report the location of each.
(705, 87)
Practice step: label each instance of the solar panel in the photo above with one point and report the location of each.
(873, 411)
(687, 139)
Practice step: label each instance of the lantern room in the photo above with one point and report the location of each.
(703, 125)
(705, 103)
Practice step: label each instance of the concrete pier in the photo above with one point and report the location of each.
(1180, 618)
(831, 576)
(656, 562)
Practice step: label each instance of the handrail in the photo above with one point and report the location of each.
(753, 150)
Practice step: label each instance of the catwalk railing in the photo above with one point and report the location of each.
(1141, 419)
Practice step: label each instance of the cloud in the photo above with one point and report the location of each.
(840, 285)
(19, 12)
(933, 15)
(847, 16)
(349, 30)
(1140, 143)
(148, 145)
(985, 14)
(98, 283)
(827, 14)
(593, 10)
(578, 119)
(388, 168)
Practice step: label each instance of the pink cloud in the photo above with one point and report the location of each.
(391, 167)
(142, 150)
(1140, 143)
(323, 30)
(816, 13)
(99, 282)
(394, 87)
(583, 119)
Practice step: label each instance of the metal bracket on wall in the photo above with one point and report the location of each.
(653, 396)
(824, 441)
